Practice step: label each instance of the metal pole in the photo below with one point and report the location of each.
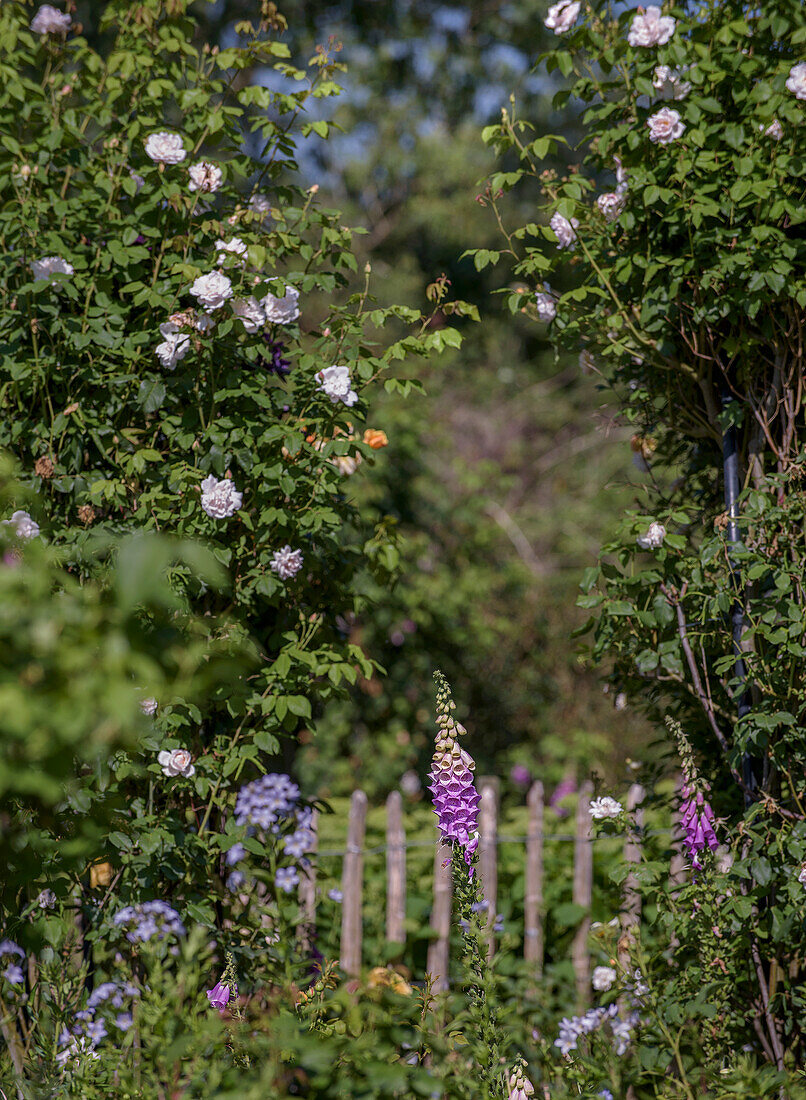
(730, 457)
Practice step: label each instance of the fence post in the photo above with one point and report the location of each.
(439, 949)
(488, 851)
(395, 870)
(533, 899)
(306, 931)
(583, 889)
(352, 883)
(631, 906)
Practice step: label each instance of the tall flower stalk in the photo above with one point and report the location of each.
(456, 804)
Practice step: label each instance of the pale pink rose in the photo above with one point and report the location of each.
(165, 147)
(212, 290)
(611, 205)
(564, 230)
(205, 176)
(775, 130)
(651, 28)
(796, 81)
(220, 499)
(49, 20)
(665, 126)
(562, 16)
(176, 762)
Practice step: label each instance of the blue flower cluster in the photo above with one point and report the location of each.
(12, 971)
(266, 805)
(148, 920)
(109, 1005)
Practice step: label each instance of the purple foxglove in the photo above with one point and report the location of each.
(697, 820)
(218, 996)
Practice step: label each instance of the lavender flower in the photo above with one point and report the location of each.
(264, 801)
(456, 800)
(697, 820)
(286, 878)
(335, 895)
(234, 855)
(148, 920)
(235, 880)
(13, 974)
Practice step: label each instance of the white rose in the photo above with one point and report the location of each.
(611, 205)
(335, 382)
(602, 978)
(653, 538)
(220, 499)
(176, 762)
(24, 526)
(49, 20)
(212, 290)
(165, 147)
(174, 347)
(605, 807)
(46, 899)
(205, 176)
(564, 230)
(282, 311)
(562, 16)
(775, 130)
(235, 247)
(50, 265)
(546, 304)
(249, 310)
(260, 205)
(670, 82)
(149, 706)
(650, 28)
(665, 126)
(796, 82)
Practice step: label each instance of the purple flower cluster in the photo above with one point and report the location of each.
(109, 1005)
(697, 820)
(572, 1029)
(456, 800)
(266, 805)
(11, 969)
(149, 920)
(274, 361)
(482, 907)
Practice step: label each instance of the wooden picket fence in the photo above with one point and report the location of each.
(351, 945)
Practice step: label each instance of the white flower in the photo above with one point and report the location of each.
(621, 176)
(286, 563)
(165, 147)
(653, 537)
(250, 313)
(620, 702)
(602, 978)
(802, 875)
(796, 82)
(174, 347)
(46, 899)
(650, 28)
(670, 81)
(335, 382)
(562, 16)
(76, 1050)
(212, 290)
(564, 230)
(665, 126)
(235, 247)
(605, 807)
(546, 304)
(346, 464)
(205, 176)
(148, 706)
(220, 499)
(204, 323)
(282, 311)
(51, 265)
(775, 130)
(24, 526)
(611, 205)
(176, 762)
(49, 20)
(260, 205)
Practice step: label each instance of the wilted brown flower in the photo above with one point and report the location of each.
(43, 467)
(86, 513)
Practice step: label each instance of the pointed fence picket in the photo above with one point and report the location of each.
(438, 960)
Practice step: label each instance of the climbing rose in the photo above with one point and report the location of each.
(220, 499)
(546, 304)
(165, 147)
(802, 875)
(375, 438)
(176, 762)
(49, 20)
(775, 130)
(51, 265)
(286, 563)
(605, 807)
(697, 821)
(46, 899)
(562, 16)
(796, 82)
(671, 81)
(563, 230)
(174, 346)
(205, 176)
(212, 290)
(24, 526)
(218, 996)
(260, 205)
(665, 126)
(282, 311)
(335, 382)
(248, 310)
(235, 247)
(148, 706)
(650, 28)
(602, 978)
(611, 205)
(653, 538)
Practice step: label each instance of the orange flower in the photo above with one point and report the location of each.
(375, 438)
